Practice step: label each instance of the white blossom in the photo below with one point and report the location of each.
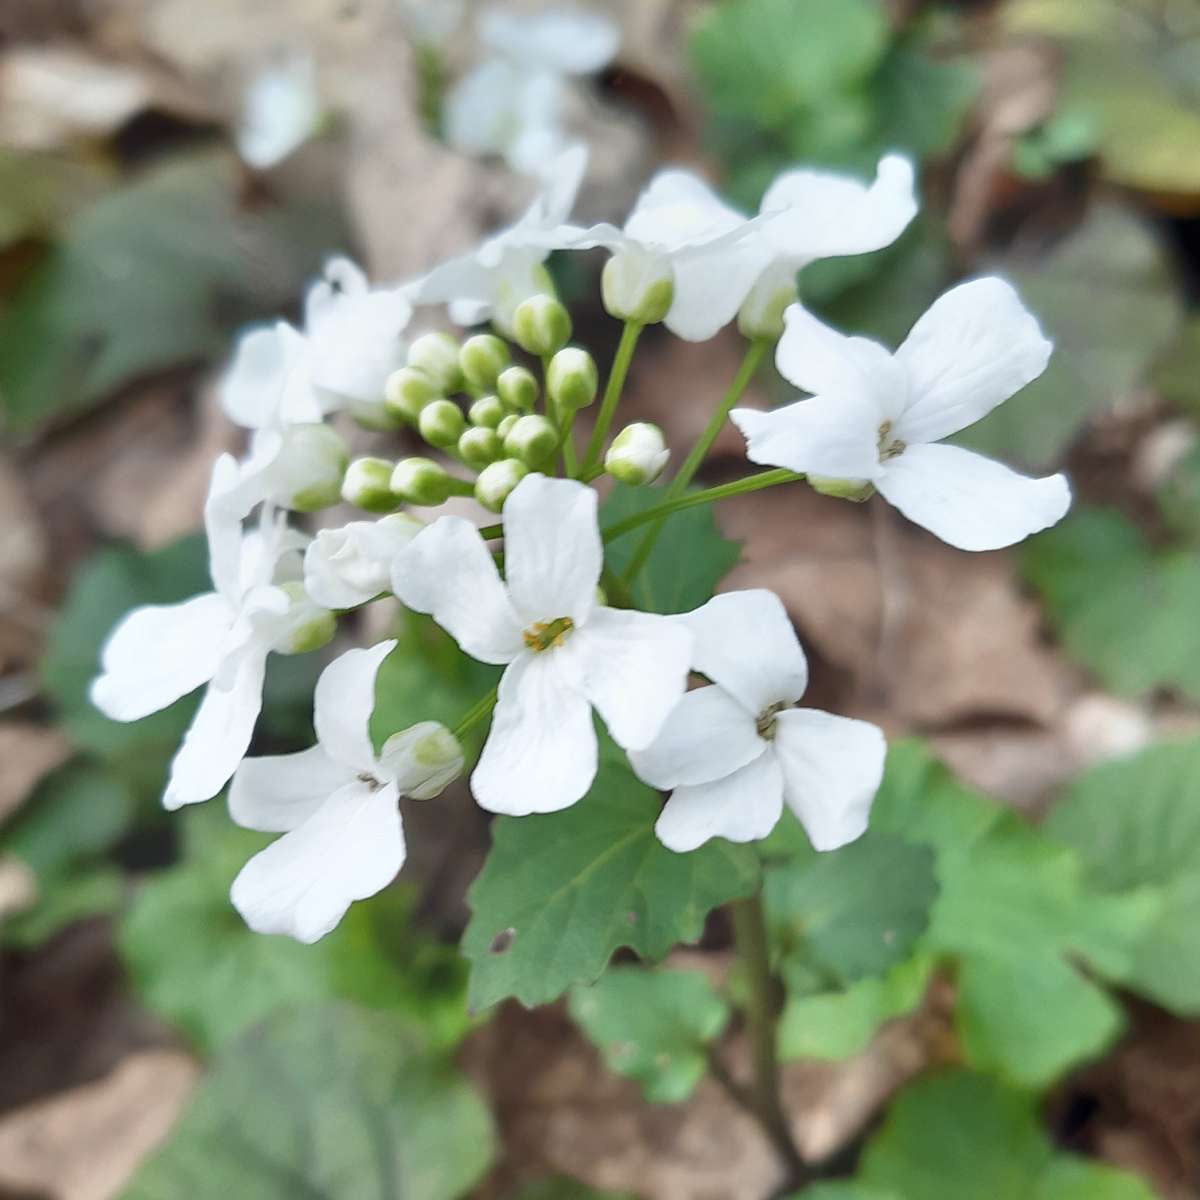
(878, 417)
(336, 804)
(281, 110)
(565, 653)
(350, 565)
(733, 753)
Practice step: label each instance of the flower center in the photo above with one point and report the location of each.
(765, 724)
(889, 447)
(544, 635)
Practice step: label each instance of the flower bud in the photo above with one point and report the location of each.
(572, 379)
(482, 358)
(308, 469)
(638, 454)
(421, 481)
(487, 411)
(307, 626)
(480, 446)
(506, 425)
(348, 566)
(408, 390)
(857, 490)
(518, 389)
(761, 314)
(441, 423)
(533, 439)
(427, 757)
(541, 325)
(374, 415)
(497, 481)
(437, 355)
(367, 484)
(637, 285)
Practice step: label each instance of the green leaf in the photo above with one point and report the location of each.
(1177, 375)
(1107, 297)
(1078, 1179)
(559, 893)
(652, 1026)
(193, 960)
(87, 891)
(1098, 579)
(844, 1190)
(153, 275)
(923, 101)
(852, 912)
(689, 558)
(326, 1104)
(1136, 826)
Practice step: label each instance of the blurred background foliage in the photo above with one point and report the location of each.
(1006, 967)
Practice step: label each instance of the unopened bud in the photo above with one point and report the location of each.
(857, 490)
(426, 757)
(497, 481)
(533, 439)
(572, 379)
(541, 325)
(408, 390)
(421, 481)
(506, 425)
(441, 423)
(307, 475)
(368, 485)
(307, 626)
(761, 314)
(480, 446)
(437, 355)
(518, 389)
(637, 285)
(638, 454)
(482, 358)
(487, 411)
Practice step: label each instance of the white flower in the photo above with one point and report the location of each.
(565, 652)
(491, 282)
(337, 805)
(876, 416)
(348, 566)
(280, 111)
(268, 384)
(734, 753)
(159, 653)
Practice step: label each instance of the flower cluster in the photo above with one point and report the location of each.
(497, 412)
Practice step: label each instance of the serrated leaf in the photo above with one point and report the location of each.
(652, 1026)
(327, 1104)
(560, 893)
(689, 559)
(1098, 579)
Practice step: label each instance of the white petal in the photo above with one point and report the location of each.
(832, 767)
(302, 884)
(569, 40)
(835, 436)
(280, 111)
(540, 754)
(446, 571)
(711, 286)
(745, 643)
(348, 566)
(266, 382)
(158, 653)
(480, 109)
(220, 733)
(743, 807)
(633, 667)
(560, 179)
(343, 703)
(552, 549)
(975, 347)
(278, 792)
(824, 214)
(707, 735)
(970, 501)
(223, 513)
(678, 209)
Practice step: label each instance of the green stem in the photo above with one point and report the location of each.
(612, 392)
(475, 714)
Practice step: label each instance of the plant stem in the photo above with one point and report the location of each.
(612, 392)
(475, 714)
(699, 452)
(562, 422)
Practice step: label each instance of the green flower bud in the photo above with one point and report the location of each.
(428, 756)
(441, 423)
(857, 490)
(637, 285)
(761, 314)
(482, 358)
(408, 390)
(306, 625)
(572, 379)
(480, 446)
(421, 481)
(637, 454)
(533, 439)
(506, 425)
(541, 325)
(437, 355)
(518, 389)
(487, 411)
(497, 481)
(368, 485)
(308, 472)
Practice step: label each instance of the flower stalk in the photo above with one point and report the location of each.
(612, 393)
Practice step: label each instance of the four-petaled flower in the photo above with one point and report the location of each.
(877, 417)
(565, 651)
(336, 804)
